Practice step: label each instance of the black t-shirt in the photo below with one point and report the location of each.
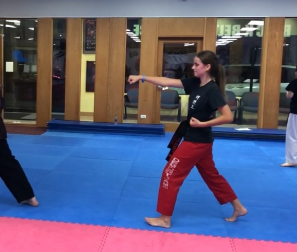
(203, 101)
(3, 134)
(293, 88)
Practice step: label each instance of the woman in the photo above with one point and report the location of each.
(206, 92)
(291, 132)
(11, 171)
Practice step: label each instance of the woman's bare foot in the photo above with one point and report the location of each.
(32, 202)
(162, 221)
(236, 214)
(288, 165)
(239, 210)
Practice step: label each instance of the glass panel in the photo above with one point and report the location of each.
(59, 67)
(133, 44)
(177, 64)
(20, 69)
(238, 46)
(289, 66)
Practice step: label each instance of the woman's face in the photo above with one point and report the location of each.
(199, 68)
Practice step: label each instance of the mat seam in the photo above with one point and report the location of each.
(232, 244)
(101, 247)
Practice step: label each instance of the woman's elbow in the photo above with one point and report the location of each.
(229, 118)
(290, 95)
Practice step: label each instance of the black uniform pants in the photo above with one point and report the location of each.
(13, 175)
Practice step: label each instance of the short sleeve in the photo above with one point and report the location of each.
(189, 84)
(216, 98)
(292, 86)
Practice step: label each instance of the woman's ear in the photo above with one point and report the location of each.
(207, 67)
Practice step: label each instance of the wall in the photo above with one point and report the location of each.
(109, 88)
(86, 98)
(145, 8)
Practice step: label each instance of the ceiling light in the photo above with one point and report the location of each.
(31, 28)
(189, 44)
(225, 40)
(256, 22)
(10, 26)
(248, 29)
(241, 34)
(231, 37)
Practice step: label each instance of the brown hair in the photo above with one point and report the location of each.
(216, 71)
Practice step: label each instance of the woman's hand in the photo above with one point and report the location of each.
(196, 123)
(134, 78)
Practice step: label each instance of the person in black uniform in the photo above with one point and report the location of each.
(291, 131)
(206, 94)
(11, 171)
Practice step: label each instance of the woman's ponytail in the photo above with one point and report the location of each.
(220, 79)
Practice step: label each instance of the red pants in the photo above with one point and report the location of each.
(179, 166)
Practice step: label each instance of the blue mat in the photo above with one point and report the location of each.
(106, 179)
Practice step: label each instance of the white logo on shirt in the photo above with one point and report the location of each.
(194, 102)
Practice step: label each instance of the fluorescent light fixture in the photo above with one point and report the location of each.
(130, 33)
(286, 44)
(16, 22)
(30, 38)
(31, 28)
(241, 34)
(127, 30)
(231, 37)
(10, 26)
(189, 44)
(256, 22)
(249, 80)
(248, 29)
(226, 40)
(17, 37)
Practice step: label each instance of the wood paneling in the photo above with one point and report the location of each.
(271, 65)
(148, 66)
(180, 27)
(101, 69)
(44, 71)
(73, 68)
(155, 30)
(116, 73)
(110, 69)
(210, 34)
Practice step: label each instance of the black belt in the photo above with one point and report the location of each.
(177, 138)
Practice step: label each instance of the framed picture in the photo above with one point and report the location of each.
(89, 46)
(90, 76)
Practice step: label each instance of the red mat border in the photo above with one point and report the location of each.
(144, 230)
